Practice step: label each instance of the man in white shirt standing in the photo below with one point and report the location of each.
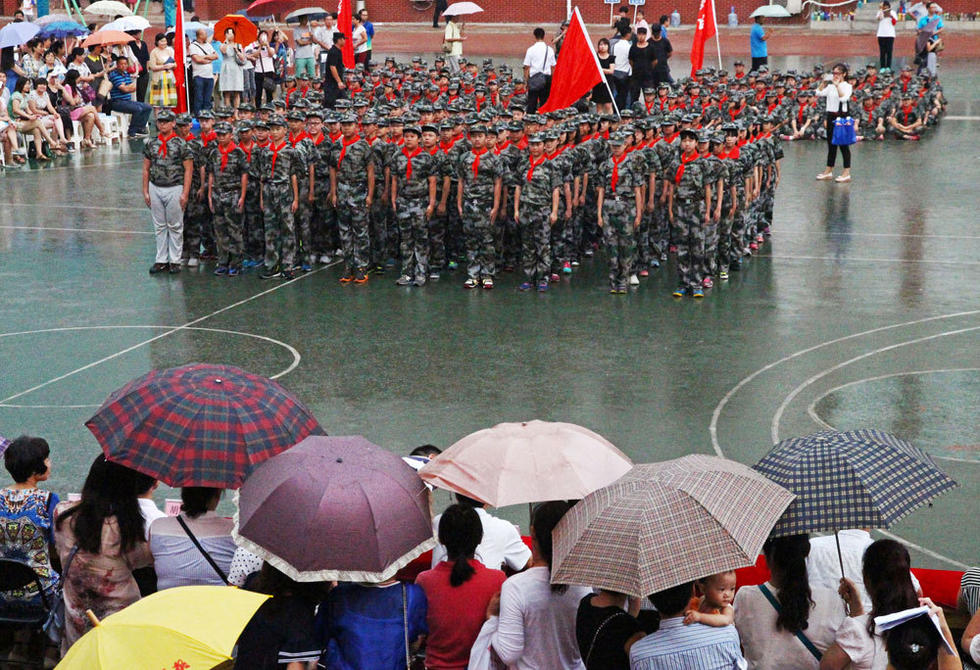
(202, 56)
(538, 62)
(501, 545)
(323, 36)
(622, 69)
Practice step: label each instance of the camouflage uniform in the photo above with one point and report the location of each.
(477, 203)
(253, 232)
(726, 227)
(715, 174)
(197, 216)
(378, 231)
(667, 153)
(277, 200)
(412, 201)
(535, 216)
(688, 228)
(564, 165)
(320, 242)
(437, 222)
(351, 163)
(619, 214)
(166, 184)
(306, 155)
(225, 191)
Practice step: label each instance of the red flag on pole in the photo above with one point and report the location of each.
(577, 69)
(180, 72)
(345, 25)
(704, 29)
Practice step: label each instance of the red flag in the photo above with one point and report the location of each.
(345, 24)
(577, 69)
(704, 30)
(180, 72)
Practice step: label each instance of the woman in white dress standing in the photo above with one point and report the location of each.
(232, 77)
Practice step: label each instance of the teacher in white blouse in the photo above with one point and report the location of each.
(837, 92)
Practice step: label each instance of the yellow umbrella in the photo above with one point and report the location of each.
(185, 627)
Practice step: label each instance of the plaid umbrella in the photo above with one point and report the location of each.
(355, 511)
(853, 479)
(200, 425)
(667, 523)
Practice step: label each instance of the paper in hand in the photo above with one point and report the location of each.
(887, 621)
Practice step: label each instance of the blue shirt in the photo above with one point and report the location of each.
(695, 647)
(925, 20)
(369, 29)
(663, 31)
(119, 78)
(759, 49)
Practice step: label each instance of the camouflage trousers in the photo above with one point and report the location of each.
(506, 236)
(437, 241)
(227, 227)
(738, 236)
(589, 234)
(768, 199)
(321, 212)
(253, 230)
(352, 223)
(561, 239)
(413, 232)
(725, 253)
(455, 243)
(378, 230)
(709, 258)
(478, 238)
(618, 234)
(280, 233)
(197, 220)
(688, 233)
(535, 228)
(660, 230)
(301, 223)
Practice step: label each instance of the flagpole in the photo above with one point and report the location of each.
(714, 17)
(595, 57)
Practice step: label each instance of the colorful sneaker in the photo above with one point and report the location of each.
(754, 246)
(233, 272)
(589, 253)
(663, 257)
(433, 274)
(404, 280)
(707, 283)
(621, 289)
(723, 276)
(324, 259)
(488, 283)
(759, 238)
(471, 283)
(360, 277)
(679, 292)
(306, 267)
(613, 290)
(575, 264)
(453, 265)
(554, 277)
(525, 286)
(567, 268)
(347, 278)
(673, 249)
(654, 264)
(542, 286)
(644, 273)
(220, 271)
(288, 274)
(698, 293)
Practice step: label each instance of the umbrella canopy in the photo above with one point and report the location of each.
(771, 12)
(852, 479)
(461, 8)
(306, 11)
(200, 425)
(355, 511)
(62, 29)
(108, 8)
(127, 23)
(246, 32)
(15, 34)
(266, 7)
(183, 627)
(533, 461)
(52, 18)
(107, 37)
(191, 28)
(667, 523)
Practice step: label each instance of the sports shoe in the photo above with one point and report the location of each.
(613, 290)
(759, 238)
(270, 273)
(554, 277)
(542, 286)
(488, 283)
(347, 278)
(567, 268)
(663, 257)
(157, 268)
(471, 283)
(287, 274)
(621, 289)
(753, 245)
(220, 271)
(698, 293)
(306, 267)
(377, 270)
(673, 249)
(419, 281)
(634, 280)
(249, 263)
(404, 280)
(174, 269)
(360, 277)
(324, 259)
(707, 283)
(233, 272)
(644, 273)
(433, 275)
(453, 265)
(679, 292)
(589, 253)
(654, 264)
(575, 264)
(723, 276)
(525, 286)
(193, 262)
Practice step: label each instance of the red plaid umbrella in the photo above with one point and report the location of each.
(200, 425)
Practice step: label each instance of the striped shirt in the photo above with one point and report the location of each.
(970, 590)
(119, 78)
(695, 647)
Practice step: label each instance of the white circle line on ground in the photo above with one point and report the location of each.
(812, 409)
(288, 347)
(778, 416)
(720, 407)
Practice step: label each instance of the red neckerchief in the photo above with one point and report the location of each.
(673, 136)
(434, 150)
(476, 161)
(275, 153)
(210, 137)
(739, 76)
(444, 89)
(499, 149)
(649, 105)
(743, 142)
(447, 146)
(334, 138)
(552, 156)
(398, 141)
(163, 143)
(733, 154)
(680, 168)
(905, 115)
(522, 143)
(723, 100)
(264, 145)
(760, 96)
(319, 139)
(771, 107)
(871, 114)
(799, 113)
(343, 149)
(247, 148)
(390, 96)
(299, 138)
(457, 138)
(453, 98)
(224, 154)
(410, 155)
(605, 134)
(479, 103)
(615, 172)
(530, 172)
(664, 102)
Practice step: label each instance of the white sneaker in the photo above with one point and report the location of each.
(824, 176)
(843, 179)
(634, 280)
(193, 262)
(325, 259)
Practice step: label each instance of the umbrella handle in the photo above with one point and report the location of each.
(91, 617)
(840, 558)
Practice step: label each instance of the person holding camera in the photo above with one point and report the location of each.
(886, 35)
(837, 92)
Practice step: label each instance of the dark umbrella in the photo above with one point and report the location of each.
(335, 508)
(199, 424)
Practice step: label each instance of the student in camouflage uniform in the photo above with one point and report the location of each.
(253, 234)
(306, 155)
(380, 211)
(414, 176)
(351, 190)
(620, 200)
(715, 175)
(564, 165)
(437, 222)
(536, 198)
(279, 170)
(227, 184)
(167, 174)
(197, 217)
(320, 196)
(478, 202)
(689, 199)
(667, 150)
(776, 156)
(734, 193)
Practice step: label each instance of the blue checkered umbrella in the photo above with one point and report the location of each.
(851, 479)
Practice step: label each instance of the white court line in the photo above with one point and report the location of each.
(812, 409)
(927, 552)
(961, 118)
(45, 205)
(778, 233)
(162, 335)
(778, 416)
(855, 259)
(79, 230)
(37, 171)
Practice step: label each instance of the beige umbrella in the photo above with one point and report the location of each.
(667, 523)
(108, 8)
(532, 461)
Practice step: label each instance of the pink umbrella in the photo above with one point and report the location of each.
(532, 461)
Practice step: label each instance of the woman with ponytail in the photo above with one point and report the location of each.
(886, 577)
(536, 629)
(785, 623)
(458, 591)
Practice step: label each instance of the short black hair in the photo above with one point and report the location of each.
(196, 499)
(539, 33)
(25, 457)
(624, 9)
(466, 500)
(426, 451)
(672, 601)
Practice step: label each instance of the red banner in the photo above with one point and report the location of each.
(705, 29)
(345, 25)
(180, 54)
(577, 69)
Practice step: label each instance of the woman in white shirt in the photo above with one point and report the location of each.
(773, 633)
(837, 92)
(886, 35)
(536, 628)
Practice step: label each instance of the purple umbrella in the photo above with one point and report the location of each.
(335, 508)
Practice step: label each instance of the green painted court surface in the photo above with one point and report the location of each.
(863, 311)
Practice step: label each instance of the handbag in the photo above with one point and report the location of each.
(810, 647)
(105, 86)
(239, 57)
(539, 80)
(845, 132)
(447, 48)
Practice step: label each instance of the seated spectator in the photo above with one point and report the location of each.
(26, 121)
(606, 631)
(8, 133)
(457, 591)
(917, 645)
(678, 645)
(785, 624)
(27, 519)
(365, 626)
(80, 109)
(281, 633)
(501, 544)
(44, 100)
(194, 547)
(121, 98)
(536, 628)
(100, 541)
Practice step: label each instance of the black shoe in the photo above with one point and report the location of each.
(270, 273)
(735, 266)
(174, 268)
(159, 267)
